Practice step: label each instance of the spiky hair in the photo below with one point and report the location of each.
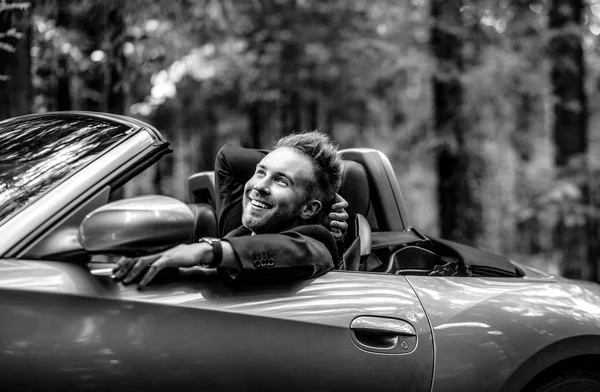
(328, 165)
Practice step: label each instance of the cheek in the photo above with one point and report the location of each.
(249, 185)
(286, 198)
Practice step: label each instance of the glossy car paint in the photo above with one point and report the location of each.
(83, 183)
(486, 329)
(68, 326)
(78, 329)
(152, 222)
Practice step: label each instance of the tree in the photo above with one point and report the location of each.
(460, 168)
(15, 62)
(567, 78)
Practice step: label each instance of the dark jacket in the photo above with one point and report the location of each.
(302, 252)
(234, 166)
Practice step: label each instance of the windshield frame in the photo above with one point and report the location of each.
(54, 205)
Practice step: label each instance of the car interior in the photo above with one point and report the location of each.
(379, 238)
(375, 206)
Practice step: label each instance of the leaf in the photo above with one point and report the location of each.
(7, 47)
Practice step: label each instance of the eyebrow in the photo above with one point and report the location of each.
(261, 166)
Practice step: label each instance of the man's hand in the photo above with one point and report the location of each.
(338, 217)
(181, 256)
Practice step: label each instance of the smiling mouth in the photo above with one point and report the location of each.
(260, 204)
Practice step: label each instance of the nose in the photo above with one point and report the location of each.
(262, 186)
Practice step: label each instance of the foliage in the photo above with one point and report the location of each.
(10, 35)
(208, 72)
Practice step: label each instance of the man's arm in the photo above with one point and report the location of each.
(234, 166)
(301, 253)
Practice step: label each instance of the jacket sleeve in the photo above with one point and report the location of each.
(234, 166)
(301, 253)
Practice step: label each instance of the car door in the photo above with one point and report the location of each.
(68, 326)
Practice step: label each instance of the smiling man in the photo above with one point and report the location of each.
(281, 235)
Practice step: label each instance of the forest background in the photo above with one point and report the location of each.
(488, 109)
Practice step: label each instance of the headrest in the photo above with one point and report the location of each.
(201, 188)
(205, 221)
(389, 207)
(355, 188)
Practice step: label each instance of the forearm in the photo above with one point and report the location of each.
(234, 165)
(278, 256)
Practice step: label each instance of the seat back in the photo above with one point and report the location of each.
(205, 221)
(201, 189)
(357, 244)
(202, 199)
(355, 188)
(369, 185)
(386, 199)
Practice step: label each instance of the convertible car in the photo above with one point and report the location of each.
(402, 312)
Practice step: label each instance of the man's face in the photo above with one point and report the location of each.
(276, 193)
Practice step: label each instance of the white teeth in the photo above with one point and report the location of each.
(258, 204)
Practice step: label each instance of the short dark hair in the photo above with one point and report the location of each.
(319, 147)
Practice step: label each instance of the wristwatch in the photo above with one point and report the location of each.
(217, 251)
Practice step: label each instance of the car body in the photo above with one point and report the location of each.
(66, 325)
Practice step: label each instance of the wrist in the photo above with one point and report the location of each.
(215, 254)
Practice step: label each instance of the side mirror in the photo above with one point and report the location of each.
(144, 224)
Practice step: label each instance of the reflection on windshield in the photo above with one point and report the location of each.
(38, 153)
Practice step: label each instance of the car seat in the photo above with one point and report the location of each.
(205, 221)
(355, 188)
(202, 201)
(357, 241)
(388, 208)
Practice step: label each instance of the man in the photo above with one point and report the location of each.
(234, 166)
(280, 236)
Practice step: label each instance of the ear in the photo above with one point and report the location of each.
(310, 209)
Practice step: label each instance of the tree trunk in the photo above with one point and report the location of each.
(567, 78)
(570, 127)
(16, 90)
(460, 168)
(313, 115)
(116, 81)
(209, 137)
(255, 116)
(523, 38)
(64, 100)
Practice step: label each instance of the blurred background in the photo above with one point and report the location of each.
(488, 109)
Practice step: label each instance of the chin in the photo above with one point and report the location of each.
(252, 224)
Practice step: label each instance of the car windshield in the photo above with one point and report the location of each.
(37, 154)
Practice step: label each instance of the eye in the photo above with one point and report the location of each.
(282, 181)
(259, 172)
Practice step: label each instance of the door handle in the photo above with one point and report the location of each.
(384, 335)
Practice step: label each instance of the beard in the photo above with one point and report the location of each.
(273, 220)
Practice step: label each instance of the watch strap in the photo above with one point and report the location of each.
(217, 250)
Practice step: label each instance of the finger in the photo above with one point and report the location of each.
(339, 206)
(123, 266)
(141, 264)
(336, 234)
(340, 203)
(117, 265)
(341, 216)
(336, 224)
(343, 226)
(152, 271)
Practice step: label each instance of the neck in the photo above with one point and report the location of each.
(278, 229)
